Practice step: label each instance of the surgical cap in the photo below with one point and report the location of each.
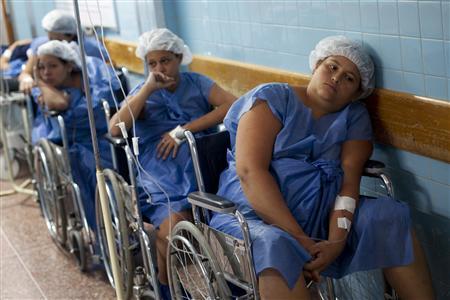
(63, 50)
(342, 46)
(59, 21)
(163, 39)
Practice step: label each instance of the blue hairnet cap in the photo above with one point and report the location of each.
(163, 39)
(342, 46)
(63, 50)
(59, 21)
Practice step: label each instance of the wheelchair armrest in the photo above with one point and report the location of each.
(211, 202)
(373, 168)
(115, 141)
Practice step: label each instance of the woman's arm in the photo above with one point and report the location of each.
(353, 158)
(6, 56)
(26, 81)
(136, 103)
(53, 98)
(256, 134)
(218, 98)
(354, 155)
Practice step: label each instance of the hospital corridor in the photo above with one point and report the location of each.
(225, 149)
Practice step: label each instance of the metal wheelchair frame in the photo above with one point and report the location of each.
(127, 217)
(217, 282)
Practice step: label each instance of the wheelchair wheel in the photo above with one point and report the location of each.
(78, 248)
(192, 267)
(47, 182)
(117, 194)
(361, 285)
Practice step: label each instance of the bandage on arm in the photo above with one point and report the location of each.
(177, 134)
(348, 204)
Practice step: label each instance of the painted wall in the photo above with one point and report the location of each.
(410, 43)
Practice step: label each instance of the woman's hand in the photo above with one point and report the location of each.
(158, 80)
(166, 145)
(26, 83)
(323, 253)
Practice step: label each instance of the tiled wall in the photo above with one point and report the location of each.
(410, 43)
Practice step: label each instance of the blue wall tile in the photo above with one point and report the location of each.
(305, 14)
(414, 83)
(433, 57)
(390, 52)
(436, 87)
(447, 56)
(430, 19)
(388, 17)
(335, 15)
(319, 10)
(352, 17)
(390, 79)
(291, 13)
(440, 172)
(408, 13)
(446, 19)
(411, 54)
(369, 17)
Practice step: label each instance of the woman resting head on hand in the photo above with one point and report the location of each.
(296, 175)
(163, 106)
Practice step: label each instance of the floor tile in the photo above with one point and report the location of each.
(15, 282)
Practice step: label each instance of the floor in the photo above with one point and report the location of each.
(31, 266)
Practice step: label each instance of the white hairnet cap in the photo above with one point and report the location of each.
(354, 51)
(63, 50)
(163, 39)
(59, 21)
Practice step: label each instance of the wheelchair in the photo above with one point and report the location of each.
(204, 263)
(59, 195)
(61, 201)
(135, 248)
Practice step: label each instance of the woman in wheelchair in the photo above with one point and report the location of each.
(294, 171)
(165, 105)
(59, 87)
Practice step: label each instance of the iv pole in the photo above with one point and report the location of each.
(117, 275)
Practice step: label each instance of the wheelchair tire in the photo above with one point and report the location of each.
(192, 268)
(78, 248)
(47, 183)
(115, 188)
(361, 285)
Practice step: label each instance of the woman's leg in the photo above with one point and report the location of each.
(273, 286)
(162, 241)
(412, 281)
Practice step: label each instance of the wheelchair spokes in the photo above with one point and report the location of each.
(47, 184)
(123, 236)
(194, 271)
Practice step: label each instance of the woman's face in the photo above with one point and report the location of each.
(335, 83)
(53, 71)
(165, 62)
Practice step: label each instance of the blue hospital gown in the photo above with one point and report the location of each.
(78, 131)
(175, 176)
(306, 166)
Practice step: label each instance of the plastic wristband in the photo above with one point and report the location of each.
(177, 134)
(345, 203)
(7, 54)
